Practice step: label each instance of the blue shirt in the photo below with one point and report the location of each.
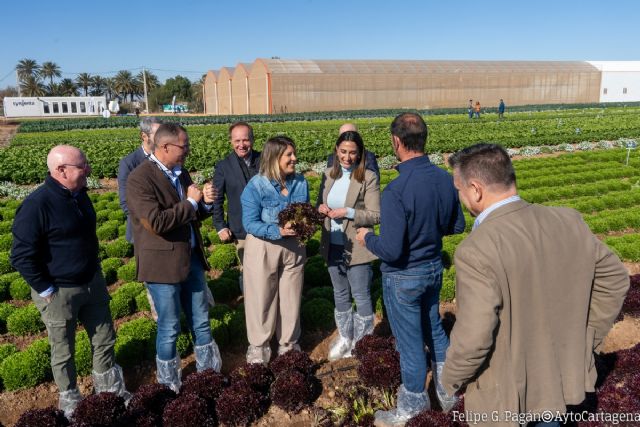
(262, 201)
(418, 208)
(492, 208)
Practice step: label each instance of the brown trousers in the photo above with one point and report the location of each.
(273, 273)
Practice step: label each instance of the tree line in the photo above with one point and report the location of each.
(45, 80)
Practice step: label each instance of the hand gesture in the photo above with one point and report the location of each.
(194, 193)
(209, 192)
(287, 230)
(324, 209)
(225, 235)
(337, 213)
(362, 232)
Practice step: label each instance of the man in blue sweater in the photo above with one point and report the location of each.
(418, 208)
(55, 249)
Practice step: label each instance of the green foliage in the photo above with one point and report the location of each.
(108, 230)
(25, 321)
(220, 332)
(5, 265)
(142, 303)
(20, 290)
(5, 226)
(119, 248)
(184, 345)
(316, 273)
(7, 213)
(5, 241)
(7, 350)
(102, 216)
(128, 271)
(5, 282)
(317, 314)
(135, 342)
(236, 327)
(116, 214)
(313, 247)
(325, 292)
(110, 268)
(448, 291)
(223, 257)
(122, 230)
(27, 368)
(224, 289)
(218, 311)
(133, 289)
(214, 239)
(5, 311)
(121, 305)
(83, 357)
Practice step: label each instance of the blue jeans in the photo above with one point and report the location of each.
(168, 297)
(411, 298)
(350, 280)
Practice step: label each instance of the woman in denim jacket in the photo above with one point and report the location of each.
(273, 265)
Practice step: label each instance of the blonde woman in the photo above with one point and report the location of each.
(350, 198)
(273, 265)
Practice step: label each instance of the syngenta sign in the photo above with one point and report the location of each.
(23, 103)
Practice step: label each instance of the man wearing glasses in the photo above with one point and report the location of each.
(55, 249)
(166, 209)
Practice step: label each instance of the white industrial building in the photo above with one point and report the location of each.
(54, 106)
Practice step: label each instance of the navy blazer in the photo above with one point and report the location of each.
(127, 164)
(230, 182)
(372, 163)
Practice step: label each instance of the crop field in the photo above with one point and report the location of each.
(573, 158)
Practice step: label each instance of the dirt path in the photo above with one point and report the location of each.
(7, 130)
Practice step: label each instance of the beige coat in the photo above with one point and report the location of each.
(536, 294)
(365, 199)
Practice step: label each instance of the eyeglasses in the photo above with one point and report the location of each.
(182, 147)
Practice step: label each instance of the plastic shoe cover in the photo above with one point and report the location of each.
(111, 381)
(283, 348)
(259, 354)
(362, 325)
(408, 405)
(446, 402)
(68, 400)
(341, 346)
(208, 357)
(169, 373)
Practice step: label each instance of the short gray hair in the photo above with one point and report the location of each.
(146, 124)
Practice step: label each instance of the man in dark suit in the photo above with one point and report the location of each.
(231, 176)
(148, 128)
(166, 209)
(370, 158)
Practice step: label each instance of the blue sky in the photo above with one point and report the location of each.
(191, 37)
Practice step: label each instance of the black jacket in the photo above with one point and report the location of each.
(54, 237)
(230, 181)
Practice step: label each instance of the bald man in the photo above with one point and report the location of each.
(370, 159)
(55, 249)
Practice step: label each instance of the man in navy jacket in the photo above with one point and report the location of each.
(230, 177)
(418, 208)
(55, 249)
(148, 128)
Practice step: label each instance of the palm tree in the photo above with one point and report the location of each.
(98, 85)
(27, 68)
(53, 89)
(49, 70)
(84, 80)
(110, 87)
(68, 88)
(32, 86)
(125, 84)
(152, 80)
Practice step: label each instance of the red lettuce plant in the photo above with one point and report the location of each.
(372, 343)
(207, 384)
(240, 405)
(47, 417)
(153, 397)
(293, 359)
(188, 410)
(304, 219)
(631, 305)
(256, 375)
(100, 410)
(380, 369)
(292, 390)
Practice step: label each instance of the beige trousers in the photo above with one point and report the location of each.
(273, 277)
